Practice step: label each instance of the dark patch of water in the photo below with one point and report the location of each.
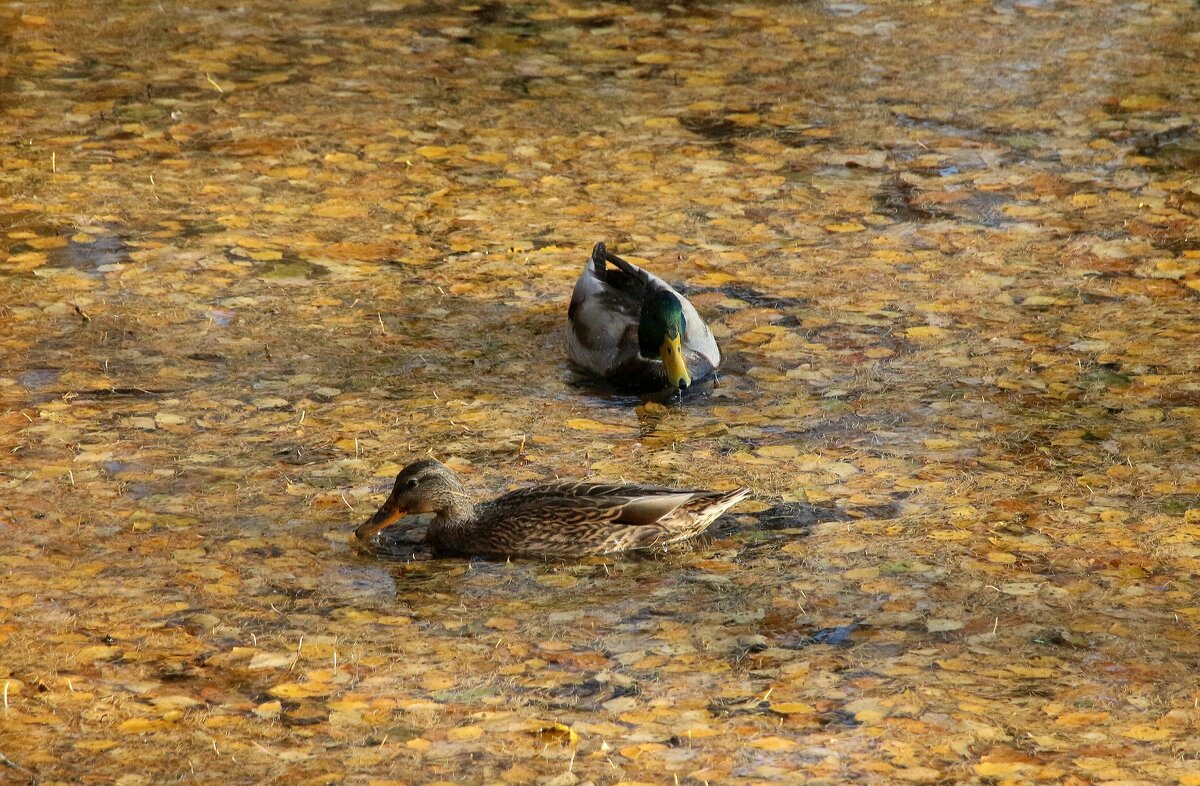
(741, 705)
(840, 636)
(897, 199)
(1178, 504)
(714, 128)
(39, 378)
(359, 581)
(748, 295)
(1063, 638)
(108, 249)
(798, 515)
(840, 718)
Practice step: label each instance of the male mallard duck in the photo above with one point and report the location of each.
(569, 519)
(633, 328)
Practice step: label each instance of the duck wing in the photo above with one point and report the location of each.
(577, 518)
(603, 316)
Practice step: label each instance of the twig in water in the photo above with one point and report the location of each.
(10, 763)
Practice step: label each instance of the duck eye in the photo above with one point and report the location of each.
(411, 484)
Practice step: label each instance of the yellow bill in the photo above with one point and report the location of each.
(671, 353)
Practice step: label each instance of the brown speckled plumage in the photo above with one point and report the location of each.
(568, 519)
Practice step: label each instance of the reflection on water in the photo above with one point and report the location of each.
(39, 378)
(93, 255)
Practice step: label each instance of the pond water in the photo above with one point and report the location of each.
(254, 259)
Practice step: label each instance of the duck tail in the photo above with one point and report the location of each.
(621, 263)
(599, 257)
(711, 505)
(729, 499)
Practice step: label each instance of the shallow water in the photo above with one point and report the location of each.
(254, 260)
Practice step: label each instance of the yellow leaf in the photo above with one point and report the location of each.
(96, 746)
(142, 725)
(502, 623)
(1024, 211)
(773, 744)
(1144, 415)
(715, 279)
(779, 451)
(43, 243)
(271, 660)
(301, 690)
(1142, 101)
(584, 424)
(925, 333)
(1076, 719)
(791, 708)
(464, 733)
(700, 732)
(845, 226)
(743, 457)
(25, 261)
(745, 118)
(337, 208)
(92, 654)
(817, 496)
(1001, 769)
(552, 730)
(1043, 300)
(436, 682)
(1146, 733)
(269, 709)
(956, 664)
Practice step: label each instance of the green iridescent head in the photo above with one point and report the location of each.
(660, 335)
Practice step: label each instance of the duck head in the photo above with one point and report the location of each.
(423, 487)
(660, 335)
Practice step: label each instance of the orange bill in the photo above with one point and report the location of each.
(385, 517)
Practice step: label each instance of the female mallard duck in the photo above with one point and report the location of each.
(569, 519)
(633, 328)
